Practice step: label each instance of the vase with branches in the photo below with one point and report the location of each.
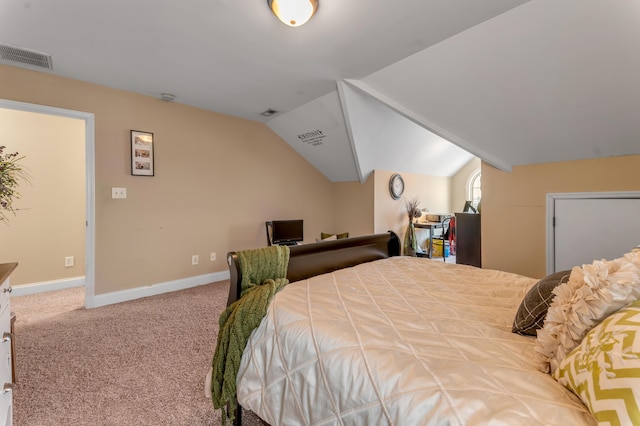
(410, 242)
(11, 173)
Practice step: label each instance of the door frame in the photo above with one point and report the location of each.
(89, 130)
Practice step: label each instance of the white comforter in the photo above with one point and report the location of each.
(401, 341)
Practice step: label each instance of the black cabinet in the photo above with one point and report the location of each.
(468, 242)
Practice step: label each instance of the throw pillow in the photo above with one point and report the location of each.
(604, 370)
(533, 308)
(592, 293)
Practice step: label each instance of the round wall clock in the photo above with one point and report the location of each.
(396, 186)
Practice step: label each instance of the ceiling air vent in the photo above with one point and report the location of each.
(25, 56)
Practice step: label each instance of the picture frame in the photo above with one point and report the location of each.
(142, 160)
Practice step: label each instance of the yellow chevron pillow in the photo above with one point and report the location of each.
(604, 370)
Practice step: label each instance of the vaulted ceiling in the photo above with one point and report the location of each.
(418, 86)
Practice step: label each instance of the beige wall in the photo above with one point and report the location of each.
(368, 208)
(434, 193)
(459, 184)
(514, 206)
(215, 185)
(353, 208)
(50, 221)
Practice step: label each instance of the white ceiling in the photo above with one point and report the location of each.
(511, 81)
(551, 80)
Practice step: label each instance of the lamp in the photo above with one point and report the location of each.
(293, 12)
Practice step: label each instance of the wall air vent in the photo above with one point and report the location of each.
(25, 56)
(269, 112)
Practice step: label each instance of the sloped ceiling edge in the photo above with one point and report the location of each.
(544, 82)
(383, 139)
(317, 131)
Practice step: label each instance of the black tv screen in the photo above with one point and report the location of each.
(286, 231)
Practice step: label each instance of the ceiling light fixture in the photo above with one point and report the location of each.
(293, 12)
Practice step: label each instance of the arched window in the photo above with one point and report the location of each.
(474, 189)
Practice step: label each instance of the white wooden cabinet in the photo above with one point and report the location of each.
(6, 390)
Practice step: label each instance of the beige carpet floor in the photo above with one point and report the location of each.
(141, 362)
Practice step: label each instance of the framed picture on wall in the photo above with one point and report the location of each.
(142, 153)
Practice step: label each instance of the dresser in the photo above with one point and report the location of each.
(468, 241)
(6, 381)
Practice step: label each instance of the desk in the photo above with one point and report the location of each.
(430, 226)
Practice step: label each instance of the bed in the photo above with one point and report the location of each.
(364, 336)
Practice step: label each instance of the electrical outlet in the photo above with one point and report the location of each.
(194, 259)
(118, 192)
(68, 261)
(213, 256)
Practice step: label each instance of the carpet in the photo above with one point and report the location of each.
(141, 362)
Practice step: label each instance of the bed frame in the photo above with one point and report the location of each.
(308, 260)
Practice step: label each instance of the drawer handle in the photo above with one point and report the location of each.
(8, 289)
(6, 337)
(8, 387)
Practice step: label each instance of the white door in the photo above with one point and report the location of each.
(590, 226)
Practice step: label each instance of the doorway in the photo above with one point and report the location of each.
(88, 135)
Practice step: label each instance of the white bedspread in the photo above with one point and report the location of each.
(403, 341)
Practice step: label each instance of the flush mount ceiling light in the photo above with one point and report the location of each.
(293, 12)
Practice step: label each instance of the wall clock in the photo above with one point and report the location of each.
(396, 186)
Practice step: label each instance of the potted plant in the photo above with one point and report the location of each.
(10, 174)
(410, 241)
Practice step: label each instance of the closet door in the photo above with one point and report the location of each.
(589, 226)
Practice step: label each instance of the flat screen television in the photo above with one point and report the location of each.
(286, 231)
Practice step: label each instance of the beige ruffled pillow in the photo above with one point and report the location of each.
(592, 293)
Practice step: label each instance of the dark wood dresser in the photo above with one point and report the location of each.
(468, 241)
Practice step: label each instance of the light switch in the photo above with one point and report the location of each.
(118, 192)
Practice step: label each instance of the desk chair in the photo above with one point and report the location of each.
(269, 227)
(444, 237)
(452, 236)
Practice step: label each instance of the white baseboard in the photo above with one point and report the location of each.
(156, 289)
(119, 296)
(44, 286)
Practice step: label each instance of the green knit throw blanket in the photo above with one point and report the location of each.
(263, 275)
